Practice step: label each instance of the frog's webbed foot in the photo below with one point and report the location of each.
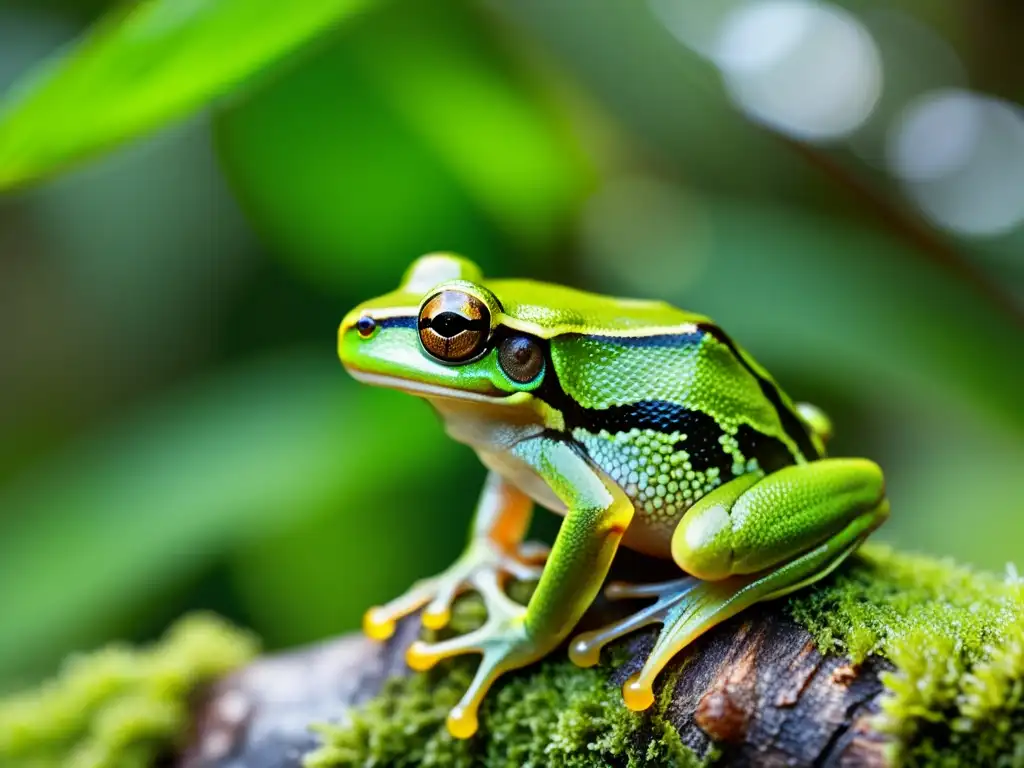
(685, 607)
(483, 563)
(502, 642)
(585, 648)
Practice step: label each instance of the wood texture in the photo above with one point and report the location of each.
(757, 687)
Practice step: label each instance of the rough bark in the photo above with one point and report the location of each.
(757, 687)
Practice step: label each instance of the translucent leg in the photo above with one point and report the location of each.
(483, 559)
(379, 621)
(709, 603)
(501, 641)
(585, 648)
(513, 635)
(496, 549)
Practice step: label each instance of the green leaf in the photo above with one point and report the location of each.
(119, 518)
(142, 67)
(421, 128)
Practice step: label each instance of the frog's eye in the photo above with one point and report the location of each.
(454, 326)
(520, 358)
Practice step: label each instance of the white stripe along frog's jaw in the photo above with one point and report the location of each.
(423, 389)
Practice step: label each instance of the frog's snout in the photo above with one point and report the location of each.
(360, 326)
(355, 327)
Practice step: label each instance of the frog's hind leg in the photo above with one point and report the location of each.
(758, 538)
(754, 538)
(709, 603)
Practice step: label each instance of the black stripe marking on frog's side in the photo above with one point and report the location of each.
(702, 432)
(791, 423)
(705, 450)
(770, 452)
(650, 414)
(659, 415)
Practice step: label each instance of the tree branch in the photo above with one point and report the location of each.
(757, 691)
(758, 688)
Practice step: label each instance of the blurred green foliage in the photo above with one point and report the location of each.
(407, 102)
(175, 431)
(142, 66)
(121, 706)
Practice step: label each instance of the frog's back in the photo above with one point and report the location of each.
(547, 310)
(664, 402)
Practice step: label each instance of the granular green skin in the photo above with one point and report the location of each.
(956, 698)
(119, 707)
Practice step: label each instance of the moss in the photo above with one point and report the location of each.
(956, 638)
(956, 697)
(118, 707)
(556, 715)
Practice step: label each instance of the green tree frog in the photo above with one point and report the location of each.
(643, 425)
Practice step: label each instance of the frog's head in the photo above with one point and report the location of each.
(442, 334)
(447, 333)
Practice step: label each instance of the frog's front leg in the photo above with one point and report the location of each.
(754, 538)
(598, 513)
(495, 550)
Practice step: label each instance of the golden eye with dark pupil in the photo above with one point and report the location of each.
(454, 326)
(520, 358)
(449, 324)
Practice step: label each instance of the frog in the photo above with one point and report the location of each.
(644, 426)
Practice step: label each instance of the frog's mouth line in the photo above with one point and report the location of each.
(421, 389)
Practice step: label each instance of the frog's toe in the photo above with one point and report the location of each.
(438, 612)
(422, 655)
(585, 648)
(638, 692)
(499, 658)
(703, 605)
(487, 580)
(497, 655)
(502, 614)
(379, 621)
(483, 568)
(503, 645)
(620, 590)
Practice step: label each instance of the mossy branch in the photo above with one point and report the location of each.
(894, 659)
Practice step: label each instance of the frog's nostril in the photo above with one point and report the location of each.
(366, 325)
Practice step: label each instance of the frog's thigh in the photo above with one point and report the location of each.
(752, 523)
(754, 539)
